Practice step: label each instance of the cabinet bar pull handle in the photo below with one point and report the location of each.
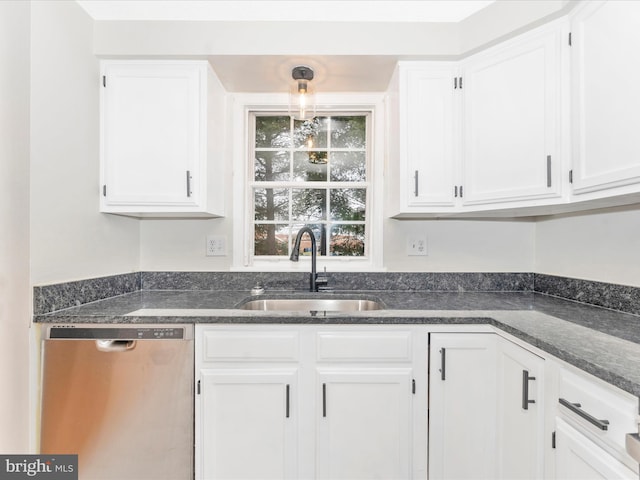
(575, 408)
(287, 402)
(548, 170)
(188, 183)
(455, 82)
(455, 191)
(413, 386)
(443, 359)
(525, 389)
(324, 399)
(460, 191)
(415, 181)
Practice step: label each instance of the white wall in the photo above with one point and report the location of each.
(601, 245)
(14, 227)
(461, 245)
(70, 239)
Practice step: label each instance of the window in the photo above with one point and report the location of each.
(312, 173)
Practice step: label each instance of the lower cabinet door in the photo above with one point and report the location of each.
(364, 424)
(248, 424)
(521, 413)
(462, 406)
(578, 458)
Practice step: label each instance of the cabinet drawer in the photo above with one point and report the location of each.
(361, 346)
(599, 403)
(249, 346)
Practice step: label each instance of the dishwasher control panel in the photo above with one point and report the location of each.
(115, 333)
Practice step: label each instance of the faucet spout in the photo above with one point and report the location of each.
(296, 253)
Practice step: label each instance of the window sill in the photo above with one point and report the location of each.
(342, 264)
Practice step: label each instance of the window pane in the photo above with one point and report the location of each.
(310, 134)
(271, 204)
(348, 132)
(273, 132)
(271, 239)
(348, 167)
(271, 166)
(305, 170)
(309, 204)
(348, 204)
(347, 240)
(319, 233)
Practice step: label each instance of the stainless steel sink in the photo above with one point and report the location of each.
(312, 304)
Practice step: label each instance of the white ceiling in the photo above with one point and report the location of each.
(299, 10)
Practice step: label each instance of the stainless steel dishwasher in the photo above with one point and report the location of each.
(121, 397)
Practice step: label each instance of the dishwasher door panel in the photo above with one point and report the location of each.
(127, 414)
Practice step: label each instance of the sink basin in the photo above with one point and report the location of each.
(312, 304)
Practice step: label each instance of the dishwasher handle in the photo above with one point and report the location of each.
(115, 345)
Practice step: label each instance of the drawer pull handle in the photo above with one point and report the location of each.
(575, 408)
(525, 389)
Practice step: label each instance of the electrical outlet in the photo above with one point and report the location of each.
(417, 245)
(216, 245)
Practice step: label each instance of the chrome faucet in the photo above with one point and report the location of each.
(314, 281)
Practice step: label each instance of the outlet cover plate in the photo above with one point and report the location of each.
(216, 246)
(417, 245)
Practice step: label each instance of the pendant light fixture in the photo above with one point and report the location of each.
(302, 96)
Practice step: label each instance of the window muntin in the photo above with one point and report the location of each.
(312, 173)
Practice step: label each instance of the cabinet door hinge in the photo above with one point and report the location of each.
(104, 190)
(104, 81)
(413, 386)
(553, 439)
(198, 388)
(569, 38)
(570, 176)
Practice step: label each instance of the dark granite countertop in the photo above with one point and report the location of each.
(602, 342)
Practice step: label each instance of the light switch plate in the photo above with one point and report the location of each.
(417, 245)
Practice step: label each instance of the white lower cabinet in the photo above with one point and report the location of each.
(365, 427)
(486, 415)
(311, 402)
(521, 417)
(462, 410)
(254, 432)
(578, 458)
(592, 419)
(350, 402)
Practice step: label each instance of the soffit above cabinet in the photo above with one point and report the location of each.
(355, 44)
(295, 11)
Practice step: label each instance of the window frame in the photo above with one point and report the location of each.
(327, 185)
(245, 107)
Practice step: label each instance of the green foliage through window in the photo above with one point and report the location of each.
(310, 173)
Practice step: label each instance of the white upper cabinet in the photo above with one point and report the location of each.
(162, 138)
(605, 96)
(481, 134)
(511, 120)
(426, 132)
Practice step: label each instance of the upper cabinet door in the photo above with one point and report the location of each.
(605, 96)
(427, 154)
(152, 135)
(155, 143)
(511, 111)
